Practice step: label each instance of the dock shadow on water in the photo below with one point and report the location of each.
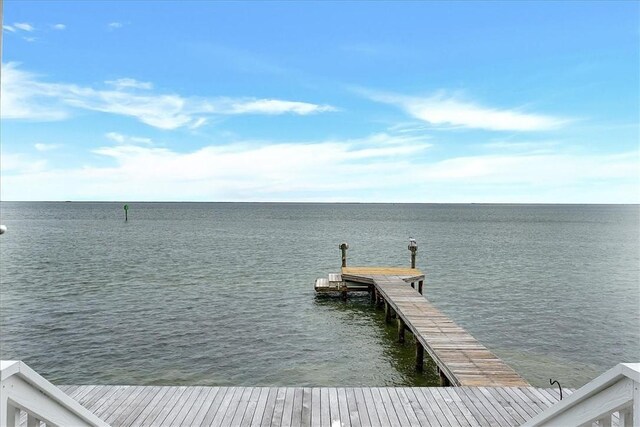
(400, 357)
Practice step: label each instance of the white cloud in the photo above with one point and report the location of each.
(126, 139)
(276, 106)
(125, 83)
(26, 96)
(445, 110)
(115, 25)
(59, 27)
(381, 167)
(19, 163)
(45, 147)
(24, 26)
(240, 171)
(9, 28)
(555, 169)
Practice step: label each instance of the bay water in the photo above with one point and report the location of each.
(222, 293)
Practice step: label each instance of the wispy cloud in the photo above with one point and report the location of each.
(379, 167)
(58, 27)
(238, 171)
(126, 83)
(9, 28)
(126, 139)
(275, 106)
(24, 26)
(557, 169)
(442, 109)
(45, 147)
(115, 25)
(26, 96)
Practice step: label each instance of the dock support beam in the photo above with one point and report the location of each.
(444, 381)
(389, 313)
(419, 356)
(401, 328)
(379, 299)
(420, 284)
(343, 248)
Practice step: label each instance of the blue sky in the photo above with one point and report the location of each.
(335, 101)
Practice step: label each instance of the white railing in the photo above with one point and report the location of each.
(611, 398)
(23, 390)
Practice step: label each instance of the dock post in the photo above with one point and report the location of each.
(419, 356)
(444, 381)
(413, 285)
(343, 248)
(420, 284)
(401, 328)
(379, 299)
(387, 312)
(413, 247)
(372, 293)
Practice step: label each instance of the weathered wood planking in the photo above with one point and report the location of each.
(458, 355)
(129, 406)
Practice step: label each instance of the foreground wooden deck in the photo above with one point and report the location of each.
(302, 406)
(460, 358)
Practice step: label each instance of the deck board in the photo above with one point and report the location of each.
(283, 406)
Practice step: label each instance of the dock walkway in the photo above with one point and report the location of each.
(460, 358)
(304, 406)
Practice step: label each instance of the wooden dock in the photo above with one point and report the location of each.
(461, 360)
(303, 406)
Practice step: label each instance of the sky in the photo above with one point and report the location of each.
(430, 102)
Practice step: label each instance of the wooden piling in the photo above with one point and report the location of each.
(343, 248)
(420, 284)
(387, 312)
(419, 356)
(413, 247)
(401, 328)
(444, 381)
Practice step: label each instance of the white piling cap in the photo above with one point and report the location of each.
(3, 228)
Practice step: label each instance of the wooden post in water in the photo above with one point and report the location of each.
(126, 210)
(420, 284)
(444, 381)
(413, 247)
(387, 312)
(419, 356)
(401, 328)
(343, 248)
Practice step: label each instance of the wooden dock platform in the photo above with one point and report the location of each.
(304, 406)
(460, 358)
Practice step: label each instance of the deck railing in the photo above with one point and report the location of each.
(23, 390)
(611, 398)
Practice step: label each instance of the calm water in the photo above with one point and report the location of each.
(217, 293)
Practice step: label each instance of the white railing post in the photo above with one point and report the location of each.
(617, 391)
(22, 389)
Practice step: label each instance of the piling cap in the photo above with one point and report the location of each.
(3, 229)
(343, 245)
(412, 243)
